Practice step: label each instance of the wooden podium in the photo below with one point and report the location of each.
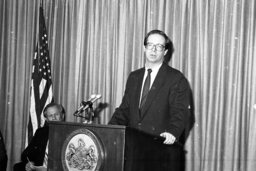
(89, 147)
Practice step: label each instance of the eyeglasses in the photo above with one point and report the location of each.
(158, 47)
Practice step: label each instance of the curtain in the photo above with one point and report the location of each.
(95, 44)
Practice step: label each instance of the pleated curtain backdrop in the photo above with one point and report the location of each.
(95, 44)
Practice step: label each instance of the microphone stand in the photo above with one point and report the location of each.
(90, 113)
(88, 107)
(79, 114)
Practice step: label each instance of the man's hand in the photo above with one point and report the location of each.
(30, 166)
(40, 168)
(169, 138)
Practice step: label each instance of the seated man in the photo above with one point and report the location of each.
(34, 157)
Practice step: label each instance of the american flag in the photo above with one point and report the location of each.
(41, 83)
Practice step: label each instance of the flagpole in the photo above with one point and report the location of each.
(41, 3)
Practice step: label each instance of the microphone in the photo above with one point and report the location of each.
(85, 105)
(90, 102)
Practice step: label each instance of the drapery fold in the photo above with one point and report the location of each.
(95, 44)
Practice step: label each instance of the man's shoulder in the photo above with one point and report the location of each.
(172, 70)
(42, 130)
(138, 71)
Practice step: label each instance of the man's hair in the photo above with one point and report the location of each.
(59, 107)
(168, 43)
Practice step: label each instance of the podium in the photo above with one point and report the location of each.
(89, 147)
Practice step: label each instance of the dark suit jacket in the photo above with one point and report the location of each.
(35, 151)
(166, 107)
(3, 155)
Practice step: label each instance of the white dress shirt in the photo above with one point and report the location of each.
(153, 74)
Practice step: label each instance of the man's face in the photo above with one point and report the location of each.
(155, 55)
(53, 114)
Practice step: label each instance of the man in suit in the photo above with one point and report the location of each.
(156, 98)
(34, 157)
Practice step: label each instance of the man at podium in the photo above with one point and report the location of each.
(35, 156)
(156, 98)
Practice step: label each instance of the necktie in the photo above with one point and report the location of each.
(145, 89)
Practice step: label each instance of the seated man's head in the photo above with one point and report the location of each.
(54, 112)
